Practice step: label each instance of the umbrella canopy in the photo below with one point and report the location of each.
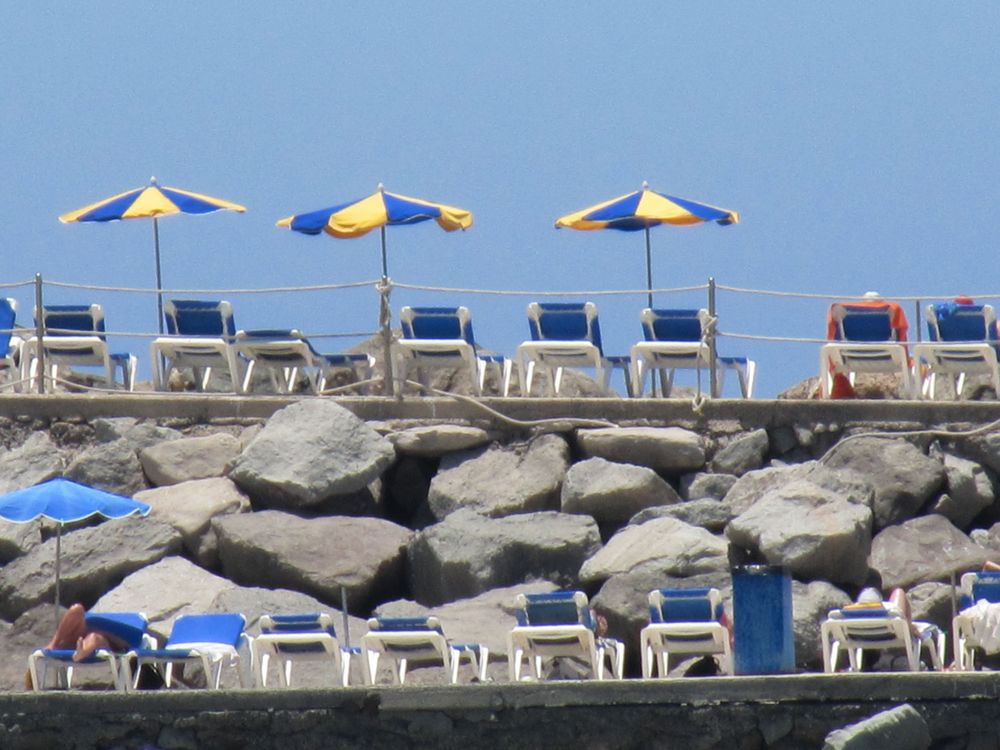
(377, 211)
(64, 501)
(150, 202)
(643, 209)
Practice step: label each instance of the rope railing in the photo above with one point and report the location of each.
(255, 290)
(548, 293)
(836, 297)
(384, 287)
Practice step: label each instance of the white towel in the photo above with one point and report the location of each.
(985, 619)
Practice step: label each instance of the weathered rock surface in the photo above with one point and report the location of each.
(499, 481)
(163, 590)
(111, 466)
(922, 549)
(811, 604)
(176, 461)
(969, 491)
(705, 485)
(93, 560)
(813, 532)
(613, 492)
(34, 461)
(903, 477)
(665, 450)
(707, 513)
(139, 435)
(468, 554)
(316, 556)
(677, 548)
(310, 452)
(742, 455)
(190, 507)
(899, 727)
(17, 538)
(438, 440)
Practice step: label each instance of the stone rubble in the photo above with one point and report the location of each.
(456, 520)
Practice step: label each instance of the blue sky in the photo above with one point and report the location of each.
(857, 141)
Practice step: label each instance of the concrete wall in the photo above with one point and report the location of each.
(744, 713)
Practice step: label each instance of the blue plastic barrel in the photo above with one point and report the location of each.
(764, 638)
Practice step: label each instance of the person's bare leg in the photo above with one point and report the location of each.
(898, 598)
(990, 565)
(71, 629)
(88, 644)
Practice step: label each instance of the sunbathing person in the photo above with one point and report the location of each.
(73, 633)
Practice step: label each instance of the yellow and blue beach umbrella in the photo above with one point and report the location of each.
(643, 209)
(377, 211)
(150, 202)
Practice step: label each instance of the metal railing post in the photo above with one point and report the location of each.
(39, 333)
(713, 374)
(385, 321)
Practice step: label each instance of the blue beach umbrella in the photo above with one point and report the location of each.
(64, 501)
(641, 210)
(150, 202)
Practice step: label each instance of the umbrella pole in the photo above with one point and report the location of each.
(385, 321)
(649, 271)
(58, 555)
(159, 281)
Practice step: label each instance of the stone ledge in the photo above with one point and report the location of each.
(756, 412)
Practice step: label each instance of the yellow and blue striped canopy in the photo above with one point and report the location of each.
(643, 209)
(150, 202)
(381, 208)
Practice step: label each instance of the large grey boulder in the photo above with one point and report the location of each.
(316, 556)
(931, 602)
(903, 477)
(754, 485)
(815, 533)
(501, 481)
(176, 461)
(741, 455)
(93, 560)
(137, 434)
(665, 450)
(31, 630)
(922, 549)
(310, 452)
(467, 553)
(434, 441)
(677, 548)
(190, 507)
(811, 604)
(111, 466)
(706, 485)
(969, 491)
(17, 539)
(36, 460)
(163, 590)
(707, 513)
(613, 492)
(901, 727)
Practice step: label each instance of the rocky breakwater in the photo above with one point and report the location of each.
(284, 515)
